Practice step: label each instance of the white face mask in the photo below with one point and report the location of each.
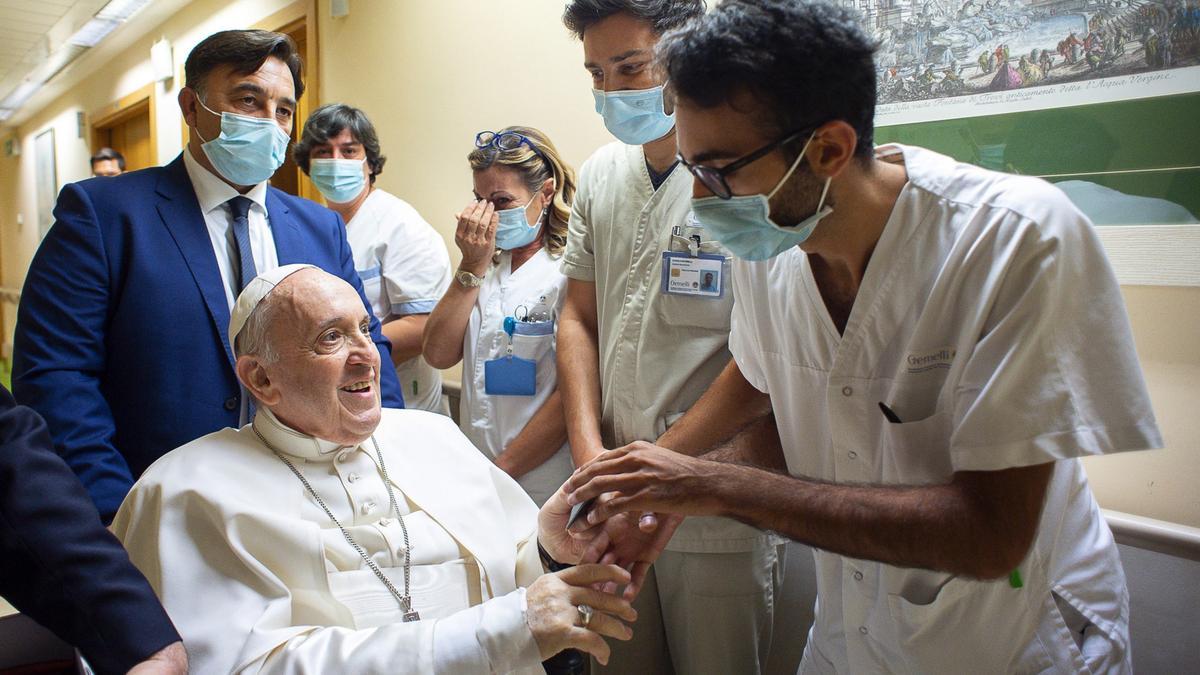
(743, 223)
(248, 151)
(514, 230)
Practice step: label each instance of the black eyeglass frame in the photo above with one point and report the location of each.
(714, 178)
(494, 142)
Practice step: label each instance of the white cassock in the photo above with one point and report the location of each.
(257, 578)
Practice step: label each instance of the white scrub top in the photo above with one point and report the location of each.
(405, 269)
(491, 422)
(990, 321)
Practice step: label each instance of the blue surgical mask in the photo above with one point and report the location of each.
(340, 180)
(743, 223)
(248, 150)
(514, 230)
(634, 117)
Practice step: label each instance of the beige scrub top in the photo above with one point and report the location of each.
(658, 353)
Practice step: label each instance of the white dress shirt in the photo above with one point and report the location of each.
(257, 578)
(213, 195)
(990, 322)
(492, 422)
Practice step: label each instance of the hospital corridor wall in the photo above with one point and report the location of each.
(431, 74)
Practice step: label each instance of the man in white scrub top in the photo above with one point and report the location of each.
(329, 537)
(640, 341)
(401, 259)
(939, 345)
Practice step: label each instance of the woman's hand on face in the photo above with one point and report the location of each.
(476, 236)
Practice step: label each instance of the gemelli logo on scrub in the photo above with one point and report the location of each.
(925, 361)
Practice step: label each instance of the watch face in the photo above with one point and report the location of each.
(467, 279)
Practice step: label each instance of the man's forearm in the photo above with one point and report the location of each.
(728, 406)
(579, 370)
(981, 524)
(757, 445)
(579, 382)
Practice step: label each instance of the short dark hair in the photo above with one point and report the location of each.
(246, 51)
(108, 153)
(328, 121)
(662, 15)
(808, 61)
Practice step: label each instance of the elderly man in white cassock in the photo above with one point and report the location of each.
(330, 537)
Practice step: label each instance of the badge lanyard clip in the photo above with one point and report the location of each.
(510, 326)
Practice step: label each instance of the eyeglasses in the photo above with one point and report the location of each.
(505, 140)
(714, 178)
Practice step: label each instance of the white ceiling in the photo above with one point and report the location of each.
(31, 30)
(25, 27)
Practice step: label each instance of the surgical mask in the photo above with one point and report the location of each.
(634, 117)
(248, 150)
(514, 230)
(743, 223)
(340, 180)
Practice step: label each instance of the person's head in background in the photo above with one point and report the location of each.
(238, 101)
(108, 162)
(619, 37)
(519, 171)
(339, 150)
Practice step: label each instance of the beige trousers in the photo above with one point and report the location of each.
(702, 613)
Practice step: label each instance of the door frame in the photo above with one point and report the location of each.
(135, 103)
(286, 20)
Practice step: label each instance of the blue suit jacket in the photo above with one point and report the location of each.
(121, 339)
(57, 562)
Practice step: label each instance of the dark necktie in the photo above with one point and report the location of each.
(239, 209)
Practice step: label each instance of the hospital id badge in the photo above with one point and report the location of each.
(510, 376)
(701, 275)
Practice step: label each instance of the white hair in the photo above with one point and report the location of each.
(252, 340)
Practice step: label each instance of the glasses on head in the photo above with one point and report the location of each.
(713, 178)
(505, 140)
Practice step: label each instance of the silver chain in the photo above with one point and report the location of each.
(405, 600)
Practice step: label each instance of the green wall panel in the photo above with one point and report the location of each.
(1147, 147)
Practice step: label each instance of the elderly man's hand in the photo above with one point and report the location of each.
(170, 660)
(556, 622)
(647, 478)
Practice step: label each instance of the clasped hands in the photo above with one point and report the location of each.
(643, 493)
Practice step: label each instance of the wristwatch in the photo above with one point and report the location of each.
(467, 279)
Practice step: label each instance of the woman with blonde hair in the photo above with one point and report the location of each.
(498, 317)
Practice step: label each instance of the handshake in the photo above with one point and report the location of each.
(608, 521)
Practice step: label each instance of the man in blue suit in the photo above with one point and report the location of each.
(121, 333)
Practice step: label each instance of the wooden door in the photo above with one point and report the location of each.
(289, 177)
(127, 126)
(131, 138)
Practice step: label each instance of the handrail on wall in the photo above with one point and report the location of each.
(1173, 539)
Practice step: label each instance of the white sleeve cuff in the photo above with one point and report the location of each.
(490, 638)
